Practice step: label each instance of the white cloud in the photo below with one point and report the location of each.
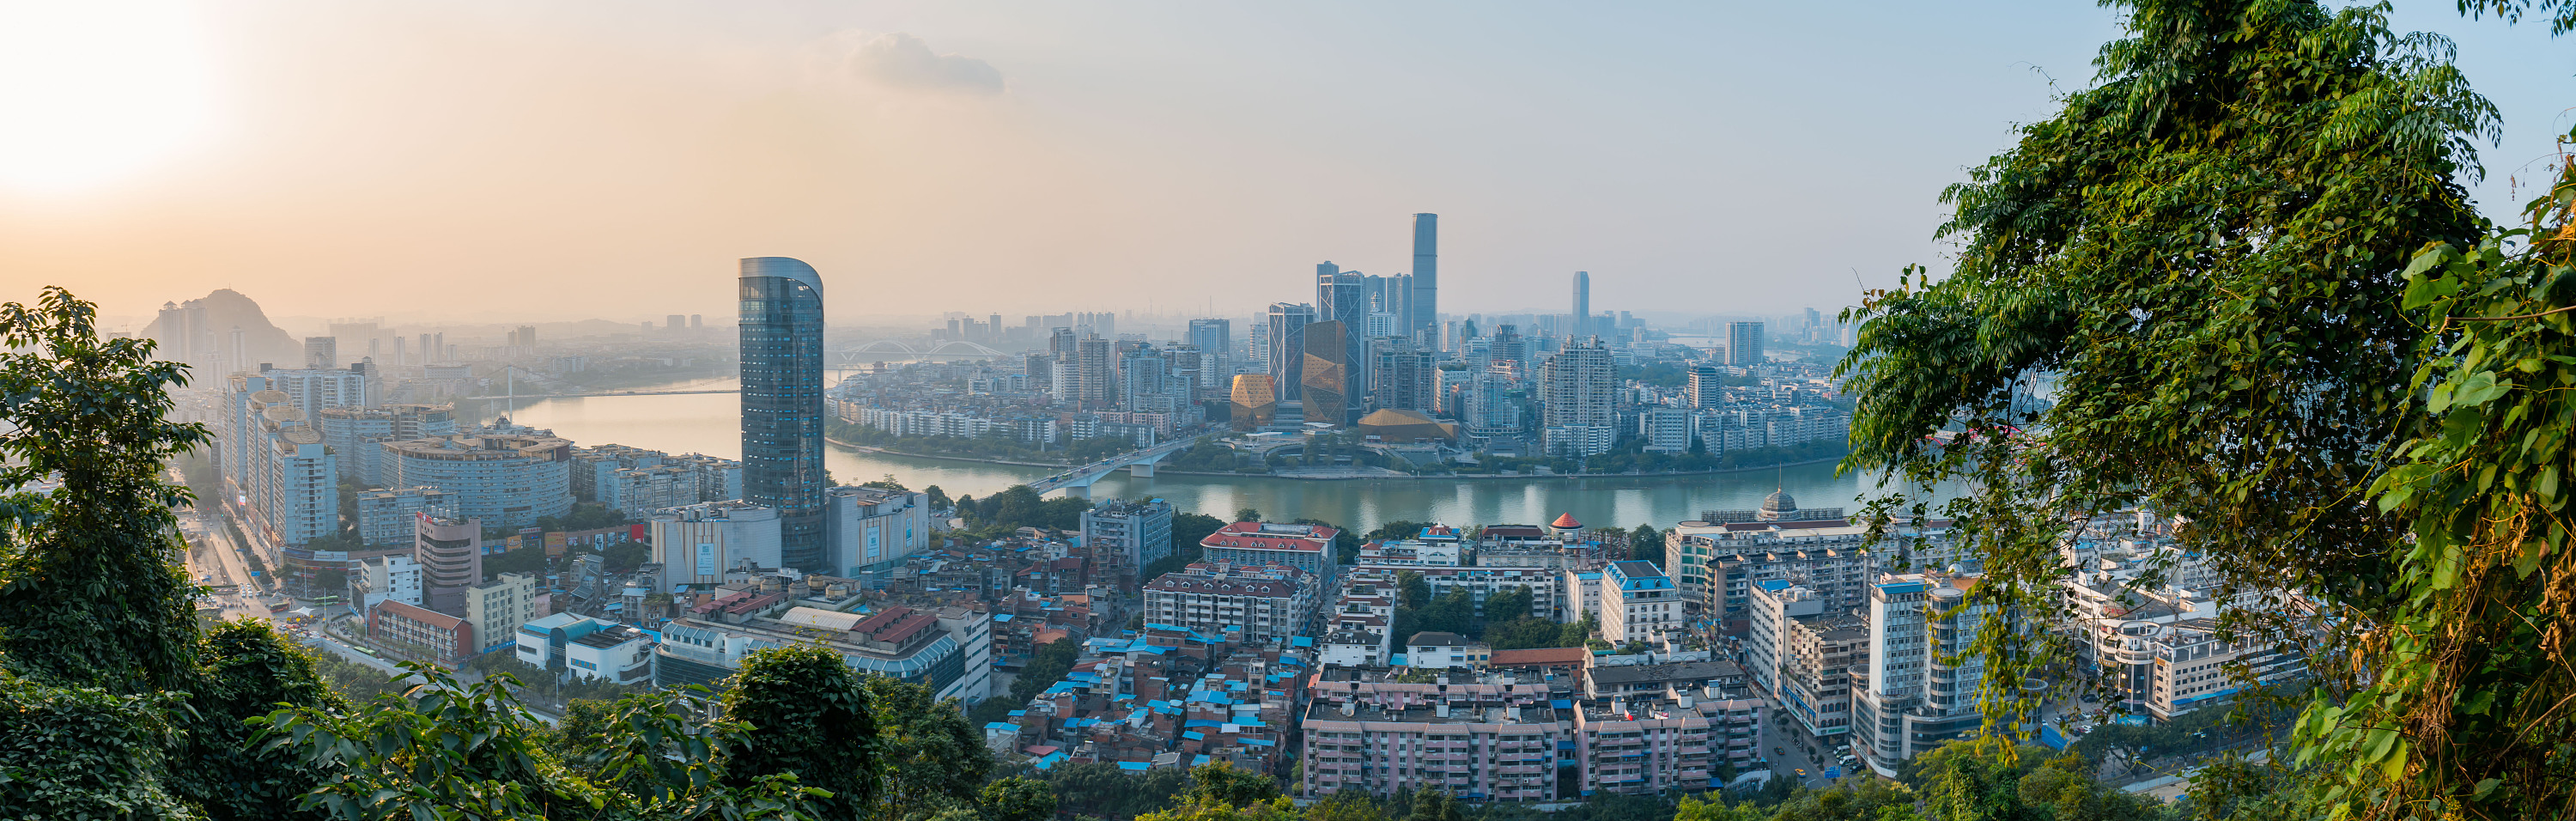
(904, 61)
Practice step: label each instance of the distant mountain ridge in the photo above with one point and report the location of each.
(222, 311)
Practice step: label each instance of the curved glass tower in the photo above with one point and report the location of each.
(782, 404)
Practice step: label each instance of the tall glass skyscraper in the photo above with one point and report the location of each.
(782, 404)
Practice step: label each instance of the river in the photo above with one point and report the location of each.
(709, 424)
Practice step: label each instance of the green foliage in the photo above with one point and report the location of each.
(2205, 253)
(807, 714)
(583, 516)
(1104, 791)
(938, 498)
(1016, 799)
(1525, 633)
(991, 710)
(89, 594)
(1188, 531)
(83, 752)
(886, 482)
(1508, 604)
(1221, 783)
(1047, 665)
(1247, 515)
(932, 759)
(530, 560)
(1017, 506)
(1646, 545)
(356, 682)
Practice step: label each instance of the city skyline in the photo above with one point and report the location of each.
(1030, 158)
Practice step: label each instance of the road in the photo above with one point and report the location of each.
(1072, 476)
(213, 559)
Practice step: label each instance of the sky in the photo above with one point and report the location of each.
(514, 160)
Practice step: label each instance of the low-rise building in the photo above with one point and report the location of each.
(377, 579)
(696, 544)
(1305, 547)
(948, 650)
(870, 527)
(385, 515)
(443, 637)
(1140, 533)
(1437, 650)
(587, 648)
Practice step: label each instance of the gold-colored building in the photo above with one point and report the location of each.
(1256, 400)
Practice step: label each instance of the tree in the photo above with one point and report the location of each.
(807, 714)
(1046, 666)
(1525, 633)
(938, 498)
(1646, 545)
(1016, 799)
(1247, 515)
(1434, 805)
(1221, 783)
(1508, 605)
(1398, 529)
(2207, 256)
(931, 758)
(88, 594)
(887, 482)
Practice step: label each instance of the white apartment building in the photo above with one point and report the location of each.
(1638, 602)
(1775, 604)
(378, 579)
(587, 648)
(1920, 689)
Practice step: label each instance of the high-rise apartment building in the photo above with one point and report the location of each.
(357, 435)
(1921, 688)
(1582, 304)
(1138, 532)
(1425, 302)
(1215, 341)
(1095, 374)
(1402, 375)
(782, 401)
(509, 480)
(321, 353)
(1707, 385)
(1579, 388)
(1744, 343)
(1249, 604)
(1287, 348)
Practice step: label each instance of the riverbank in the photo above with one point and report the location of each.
(944, 458)
(1352, 477)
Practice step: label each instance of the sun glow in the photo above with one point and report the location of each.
(97, 90)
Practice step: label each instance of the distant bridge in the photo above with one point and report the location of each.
(1078, 481)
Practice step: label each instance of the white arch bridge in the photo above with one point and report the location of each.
(1077, 481)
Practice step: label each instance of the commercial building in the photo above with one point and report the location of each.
(869, 526)
(1215, 341)
(948, 650)
(1238, 604)
(1638, 602)
(450, 553)
(1305, 547)
(1424, 301)
(507, 480)
(1328, 375)
(1287, 348)
(1920, 689)
(782, 402)
(1139, 532)
(496, 609)
(697, 544)
(1255, 401)
(587, 648)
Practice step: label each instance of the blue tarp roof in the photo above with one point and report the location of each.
(1019, 712)
(1561, 703)
(1250, 721)
(1003, 725)
(1135, 765)
(1259, 742)
(1301, 641)
(1002, 617)
(1193, 735)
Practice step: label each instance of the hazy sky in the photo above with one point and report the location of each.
(570, 159)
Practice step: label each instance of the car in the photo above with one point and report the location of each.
(1780, 750)
(1802, 773)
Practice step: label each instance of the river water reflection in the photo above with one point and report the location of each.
(708, 423)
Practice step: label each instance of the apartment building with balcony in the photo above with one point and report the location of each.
(1240, 604)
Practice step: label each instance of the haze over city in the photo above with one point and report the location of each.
(612, 159)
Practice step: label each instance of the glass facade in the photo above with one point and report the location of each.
(782, 402)
(1327, 373)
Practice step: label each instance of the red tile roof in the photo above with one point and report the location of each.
(1539, 656)
(1566, 521)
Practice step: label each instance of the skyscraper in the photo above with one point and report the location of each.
(1400, 375)
(782, 402)
(1095, 374)
(1343, 297)
(1425, 303)
(1327, 373)
(1582, 303)
(1287, 344)
(1743, 343)
(321, 353)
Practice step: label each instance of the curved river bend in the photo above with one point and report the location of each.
(708, 423)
